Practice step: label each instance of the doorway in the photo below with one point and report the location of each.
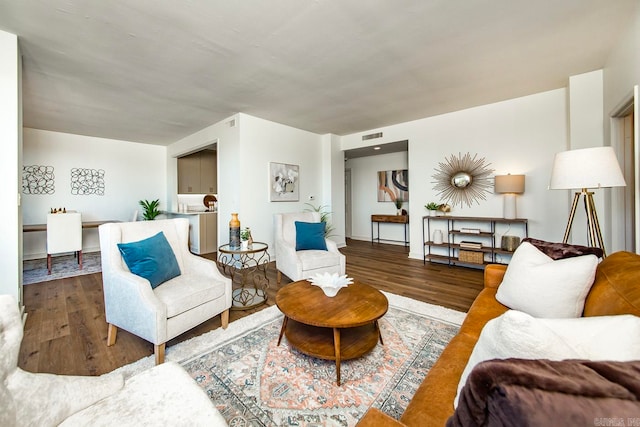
(624, 140)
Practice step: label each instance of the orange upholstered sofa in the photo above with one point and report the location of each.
(616, 290)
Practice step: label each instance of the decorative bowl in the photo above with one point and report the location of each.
(330, 283)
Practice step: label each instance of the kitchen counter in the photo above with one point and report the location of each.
(203, 230)
(189, 212)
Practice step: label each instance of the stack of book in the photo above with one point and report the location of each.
(471, 245)
(470, 230)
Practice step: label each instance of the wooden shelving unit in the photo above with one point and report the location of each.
(457, 230)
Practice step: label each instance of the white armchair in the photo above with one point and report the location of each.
(298, 265)
(199, 293)
(64, 234)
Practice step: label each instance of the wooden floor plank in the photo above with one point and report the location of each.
(66, 332)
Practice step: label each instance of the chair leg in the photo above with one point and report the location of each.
(279, 277)
(48, 263)
(224, 318)
(112, 332)
(158, 350)
(80, 258)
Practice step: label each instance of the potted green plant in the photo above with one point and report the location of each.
(245, 238)
(324, 217)
(150, 209)
(432, 207)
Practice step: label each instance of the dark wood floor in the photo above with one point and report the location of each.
(66, 333)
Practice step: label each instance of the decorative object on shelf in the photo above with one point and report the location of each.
(398, 202)
(150, 209)
(463, 179)
(444, 208)
(437, 237)
(234, 232)
(209, 202)
(393, 185)
(330, 283)
(583, 169)
(509, 185)
(473, 257)
(509, 243)
(283, 182)
(432, 207)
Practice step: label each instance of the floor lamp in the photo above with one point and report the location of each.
(586, 169)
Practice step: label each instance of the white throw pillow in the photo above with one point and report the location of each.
(600, 337)
(518, 335)
(543, 287)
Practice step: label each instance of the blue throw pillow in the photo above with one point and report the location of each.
(310, 235)
(151, 258)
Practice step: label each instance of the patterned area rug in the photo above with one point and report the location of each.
(254, 382)
(35, 270)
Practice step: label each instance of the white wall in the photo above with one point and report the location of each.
(244, 152)
(262, 142)
(518, 136)
(11, 137)
(133, 172)
(364, 195)
(334, 185)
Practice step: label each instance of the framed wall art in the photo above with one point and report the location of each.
(283, 182)
(393, 185)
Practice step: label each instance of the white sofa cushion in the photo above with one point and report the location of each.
(187, 291)
(515, 334)
(543, 287)
(313, 259)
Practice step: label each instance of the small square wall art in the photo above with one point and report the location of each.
(283, 182)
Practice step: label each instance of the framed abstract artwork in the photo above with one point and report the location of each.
(393, 185)
(283, 182)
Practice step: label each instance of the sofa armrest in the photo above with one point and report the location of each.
(376, 418)
(493, 274)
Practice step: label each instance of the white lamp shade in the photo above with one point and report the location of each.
(586, 168)
(509, 184)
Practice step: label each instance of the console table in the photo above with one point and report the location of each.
(390, 219)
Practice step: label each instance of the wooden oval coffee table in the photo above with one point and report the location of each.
(340, 328)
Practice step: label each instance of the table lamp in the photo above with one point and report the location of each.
(583, 169)
(509, 185)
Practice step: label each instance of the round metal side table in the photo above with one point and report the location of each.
(247, 269)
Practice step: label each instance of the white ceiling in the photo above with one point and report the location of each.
(155, 71)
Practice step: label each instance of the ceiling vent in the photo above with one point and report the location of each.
(372, 136)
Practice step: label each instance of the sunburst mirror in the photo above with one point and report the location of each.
(463, 179)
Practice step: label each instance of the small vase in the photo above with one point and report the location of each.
(437, 237)
(399, 212)
(432, 213)
(234, 231)
(245, 245)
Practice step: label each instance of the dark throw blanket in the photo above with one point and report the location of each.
(542, 393)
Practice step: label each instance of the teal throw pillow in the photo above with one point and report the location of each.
(151, 258)
(310, 235)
